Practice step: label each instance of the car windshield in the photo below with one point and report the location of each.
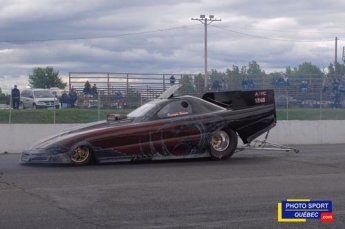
(43, 94)
(141, 111)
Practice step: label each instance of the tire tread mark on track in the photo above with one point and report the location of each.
(309, 163)
(8, 186)
(71, 213)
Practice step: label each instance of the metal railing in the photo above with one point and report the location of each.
(320, 100)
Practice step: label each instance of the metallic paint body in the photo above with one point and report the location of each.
(150, 138)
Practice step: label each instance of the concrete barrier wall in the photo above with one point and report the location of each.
(17, 137)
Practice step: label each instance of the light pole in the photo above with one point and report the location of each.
(206, 21)
(45, 80)
(343, 58)
(335, 58)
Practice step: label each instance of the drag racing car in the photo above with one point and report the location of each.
(170, 127)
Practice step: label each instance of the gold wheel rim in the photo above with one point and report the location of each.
(80, 154)
(220, 141)
(216, 140)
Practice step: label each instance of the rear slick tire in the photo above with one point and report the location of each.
(223, 144)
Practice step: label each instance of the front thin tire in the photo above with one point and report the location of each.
(81, 155)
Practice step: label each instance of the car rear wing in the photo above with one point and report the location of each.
(237, 100)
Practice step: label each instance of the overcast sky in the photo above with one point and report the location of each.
(158, 36)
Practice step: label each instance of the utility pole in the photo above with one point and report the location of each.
(343, 59)
(335, 58)
(206, 21)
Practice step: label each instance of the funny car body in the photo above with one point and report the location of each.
(169, 127)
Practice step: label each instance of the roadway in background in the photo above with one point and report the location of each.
(241, 192)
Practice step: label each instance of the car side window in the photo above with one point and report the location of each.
(175, 109)
(25, 93)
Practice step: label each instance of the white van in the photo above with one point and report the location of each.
(38, 98)
(57, 91)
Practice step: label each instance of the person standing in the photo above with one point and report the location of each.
(172, 80)
(223, 81)
(94, 91)
(119, 100)
(73, 97)
(15, 97)
(216, 85)
(64, 99)
(87, 88)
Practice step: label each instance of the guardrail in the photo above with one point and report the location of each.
(299, 89)
(286, 133)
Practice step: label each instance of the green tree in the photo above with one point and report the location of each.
(199, 81)
(235, 70)
(45, 78)
(133, 98)
(187, 85)
(308, 68)
(4, 98)
(254, 68)
(234, 77)
(305, 72)
(340, 69)
(244, 70)
(288, 71)
(215, 75)
(330, 69)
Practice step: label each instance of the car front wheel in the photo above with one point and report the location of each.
(223, 144)
(81, 155)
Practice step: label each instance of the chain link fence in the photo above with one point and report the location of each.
(298, 97)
